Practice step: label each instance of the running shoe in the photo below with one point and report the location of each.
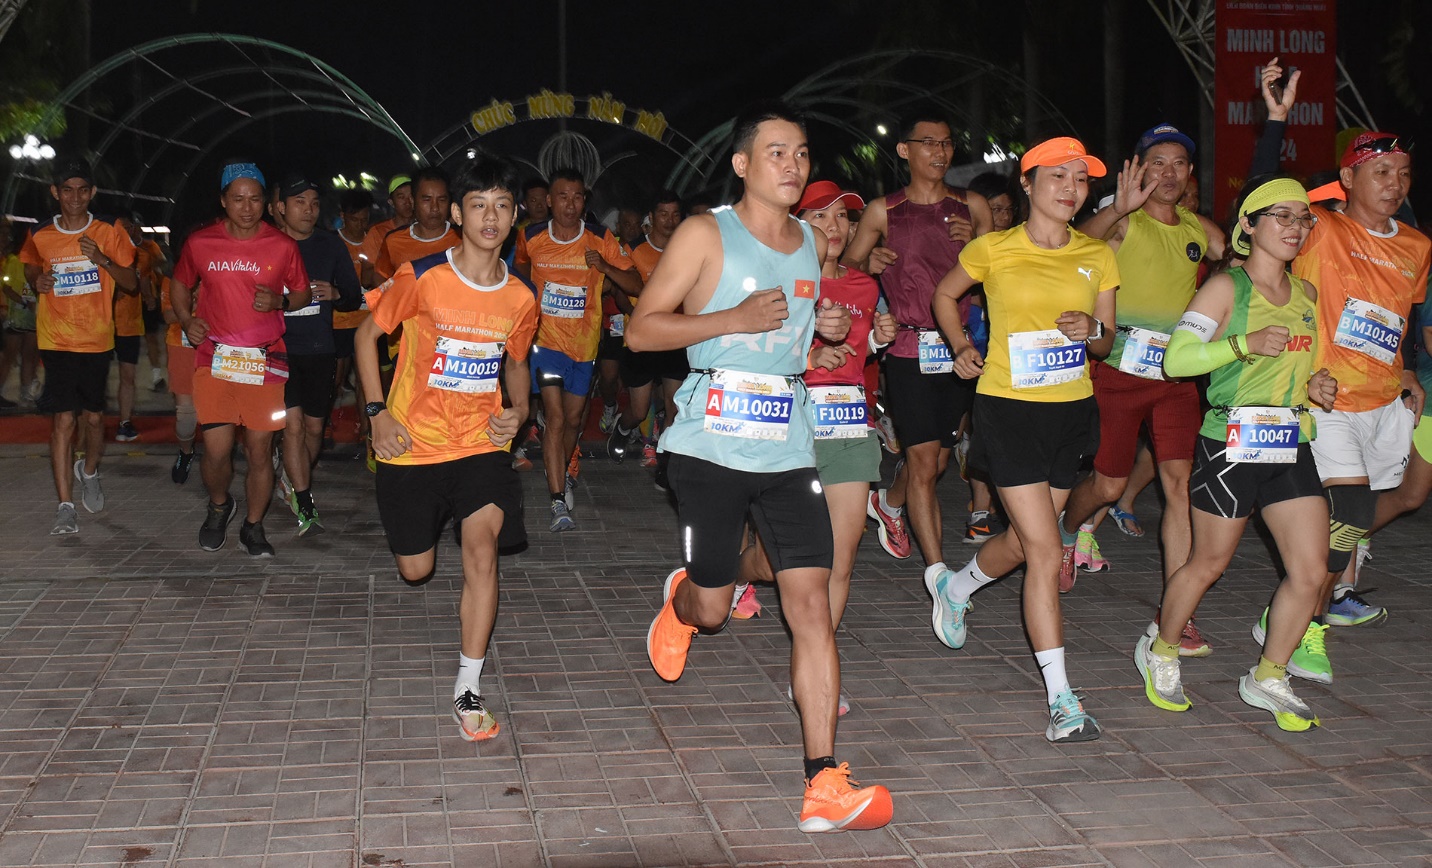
(180, 471)
(1126, 522)
(1086, 554)
(1190, 642)
(308, 521)
(668, 640)
(569, 491)
(1276, 695)
(894, 536)
(254, 541)
(1068, 721)
(648, 453)
(91, 493)
(66, 521)
(520, 461)
(1162, 684)
(574, 465)
(885, 431)
(1068, 572)
(617, 442)
(834, 802)
(127, 432)
(979, 528)
(660, 479)
(962, 456)
(609, 420)
(215, 529)
(1349, 609)
(948, 617)
(1310, 658)
(561, 517)
(285, 491)
(156, 380)
(745, 606)
(476, 721)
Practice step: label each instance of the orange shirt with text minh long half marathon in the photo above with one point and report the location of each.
(78, 316)
(569, 292)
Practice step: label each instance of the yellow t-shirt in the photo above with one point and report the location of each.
(1026, 289)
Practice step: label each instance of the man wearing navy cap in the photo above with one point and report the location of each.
(1159, 246)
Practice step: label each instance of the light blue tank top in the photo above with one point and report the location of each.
(704, 408)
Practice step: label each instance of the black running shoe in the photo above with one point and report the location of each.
(215, 529)
(180, 471)
(251, 537)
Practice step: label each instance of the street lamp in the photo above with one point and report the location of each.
(32, 150)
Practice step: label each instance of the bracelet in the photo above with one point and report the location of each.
(1238, 351)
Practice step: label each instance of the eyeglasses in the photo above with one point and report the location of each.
(995, 209)
(1288, 218)
(932, 143)
(1388, 145)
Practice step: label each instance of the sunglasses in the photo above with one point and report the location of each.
(1386, 145)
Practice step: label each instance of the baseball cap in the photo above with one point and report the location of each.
(1371, 145)
(1057, 152)
(1160, 134)
(73, 169)
(296, 184)
(398, 181)
(823, 194)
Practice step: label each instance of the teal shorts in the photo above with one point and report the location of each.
(856, 459)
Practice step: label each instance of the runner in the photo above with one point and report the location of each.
(912, 239)
(1369, 271)
(534, 203)
(1253, 328)
(400, 200)
(20, 341)
(742, 442)
(1160, 246)
(642, 371)
(150, 264)
(129, 331)
(308, 338)
(429, 233)
(847, 452)
(534, 210)
(75, 263)
(442, 440)
(356, 206)
(568, 260)
(181, 384)
(1050, 290)
(241, 363)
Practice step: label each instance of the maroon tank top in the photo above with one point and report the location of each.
(919, 234)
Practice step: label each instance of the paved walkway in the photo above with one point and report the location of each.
(163, 706)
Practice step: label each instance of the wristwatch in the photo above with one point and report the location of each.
(1098, 331)
(373, 408)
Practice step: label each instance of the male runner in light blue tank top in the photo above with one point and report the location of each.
(747, 278)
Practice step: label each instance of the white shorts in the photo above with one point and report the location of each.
(1373, 443)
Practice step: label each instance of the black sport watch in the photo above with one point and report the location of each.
(373, 408)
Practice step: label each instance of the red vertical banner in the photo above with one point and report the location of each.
(1302, 34)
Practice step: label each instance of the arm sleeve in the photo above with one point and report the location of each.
(1268, 153)
(1187, 356)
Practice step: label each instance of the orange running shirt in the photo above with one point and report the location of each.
(455, 334)
(403, 245)
(1365, 281)
(351, 319)
(570, 293)
(78, 316)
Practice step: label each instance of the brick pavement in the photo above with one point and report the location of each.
(164, 706)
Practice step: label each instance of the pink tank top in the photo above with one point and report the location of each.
(919, 234)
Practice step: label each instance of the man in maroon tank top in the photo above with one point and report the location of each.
(911, 239)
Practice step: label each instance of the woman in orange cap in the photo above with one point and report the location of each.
(1050, 293)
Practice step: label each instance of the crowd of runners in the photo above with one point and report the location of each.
(759, 356)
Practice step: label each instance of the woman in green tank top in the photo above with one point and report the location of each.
(1253, 329)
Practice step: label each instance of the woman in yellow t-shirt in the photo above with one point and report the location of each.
(1049, 291)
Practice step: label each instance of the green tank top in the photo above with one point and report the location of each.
(1158, 274)
(1266, 382)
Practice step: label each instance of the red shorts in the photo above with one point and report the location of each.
(1171, 410)
(220, 402)
(181, 370)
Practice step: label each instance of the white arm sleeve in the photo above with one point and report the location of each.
(1201, 326)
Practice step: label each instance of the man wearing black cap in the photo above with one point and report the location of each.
(308, 333)
(1159, 246)
(75, 263)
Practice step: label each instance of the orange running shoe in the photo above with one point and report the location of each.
(574, 467)
(668, 640)
(834, 802)
(746, 605)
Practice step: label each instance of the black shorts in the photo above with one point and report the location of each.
(712, 502)
(672, 364)
(1231, 490)
(612, 347)
(126, 348)
(1025, 442)
(925, 407)
(343, 343)
(74, 382)
(416, 500)
(154, 319)
(310, 384)
(643, 369)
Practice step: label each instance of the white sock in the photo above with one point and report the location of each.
(469, 670)
(736, 593)
(933, 570)
(1051, 666)
(1086, 527)
(885, 507)
(967, 581)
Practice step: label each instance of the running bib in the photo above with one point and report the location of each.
(935, 357)
(76, 278)
(616, 325)
(1044, 358)
(1262, 435)
(465, 366)
(754, 406)
(1371, 330)
(1144, 353)
(244, 365)
(310, 309)
(184, 340)
(567, 302)
(840, 412)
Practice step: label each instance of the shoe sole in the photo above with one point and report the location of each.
(650, 631)
(1370, 621)
(563, 525)
(476, 736)
(1073, 737)
(1149, 691)
(65, 532)
(312, 530)
(1296, 671)
(1286, 721)
(813, 825)
(978, 539)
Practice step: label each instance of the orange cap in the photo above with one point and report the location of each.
(1057, 152)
